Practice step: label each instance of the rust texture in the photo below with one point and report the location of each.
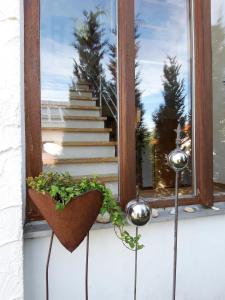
(72, 224)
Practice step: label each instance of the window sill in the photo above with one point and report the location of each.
(39, 229)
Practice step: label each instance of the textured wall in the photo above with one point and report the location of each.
(11, 153)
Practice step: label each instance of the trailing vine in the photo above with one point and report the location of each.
(62, 188)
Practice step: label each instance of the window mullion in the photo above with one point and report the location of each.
(203, 84)
(126, 67)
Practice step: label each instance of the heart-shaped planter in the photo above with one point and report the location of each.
(73, 223)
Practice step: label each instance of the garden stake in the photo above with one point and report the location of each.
(47, 265)
(136, 257)
(175, 237)
(178, 161)
(86, 271)
(138, 213)
(135, 268)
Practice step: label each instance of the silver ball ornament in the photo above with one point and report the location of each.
(138, 212)
(178, 159)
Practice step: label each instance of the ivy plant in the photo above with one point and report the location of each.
(63, 188)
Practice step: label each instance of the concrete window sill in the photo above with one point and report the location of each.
(40, 229)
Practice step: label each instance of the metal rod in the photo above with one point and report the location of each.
(135, 268)
(100, 90)
(47, 266)
(86, 268)
(175, 236)
(104, 92)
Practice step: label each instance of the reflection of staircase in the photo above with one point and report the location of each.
(75, 140)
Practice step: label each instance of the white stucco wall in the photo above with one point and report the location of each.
(11, 151)
(201, 264)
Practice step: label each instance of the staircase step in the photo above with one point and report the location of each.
(100, 160)
(71, 110)
(84, 144)
(69, 106)
(95, 130)
(56, 112)
(73, 122)
(85, 118)
(60, 135)
(81, 102)
(74, 118)
(75, 140)
(80, 92)
(82, 167)
(70, 150)
(81, 89)
(102, 178)
(82, 85)
(83, 98)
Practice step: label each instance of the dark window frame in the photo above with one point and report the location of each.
(126, 60)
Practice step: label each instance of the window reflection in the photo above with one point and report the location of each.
(79, 88)
(163, 93)
(218, 69)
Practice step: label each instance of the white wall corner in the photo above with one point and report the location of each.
(12, 171)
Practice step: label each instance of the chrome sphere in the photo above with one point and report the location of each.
(138, 212)
(178, 159)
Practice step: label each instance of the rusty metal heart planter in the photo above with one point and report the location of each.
(71, 224)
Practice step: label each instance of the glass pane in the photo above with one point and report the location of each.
(218, 69)
(163, 93)
(79, 88)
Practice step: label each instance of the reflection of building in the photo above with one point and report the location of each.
(76, 140)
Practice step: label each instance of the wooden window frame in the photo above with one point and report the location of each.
(32, 97)
(203, 110)
(126, 61)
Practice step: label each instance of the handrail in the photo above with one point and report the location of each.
(105, 96)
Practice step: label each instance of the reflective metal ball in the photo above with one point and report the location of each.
(178, 159)
(138, 212)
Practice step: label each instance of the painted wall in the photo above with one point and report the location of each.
(11, 152)
(201, 264)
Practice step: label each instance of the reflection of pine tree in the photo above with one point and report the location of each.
(166, 120)
(142, 134)
(113, 61)
(90, 48)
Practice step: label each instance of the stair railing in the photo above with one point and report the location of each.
(104, 95)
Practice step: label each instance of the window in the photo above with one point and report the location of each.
(164, 94)
(79, 105)
(218, 81)
(141, 41)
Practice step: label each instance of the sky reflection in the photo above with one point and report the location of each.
(163, 29)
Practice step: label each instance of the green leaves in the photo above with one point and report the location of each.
(62, 188)
(54, 191)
